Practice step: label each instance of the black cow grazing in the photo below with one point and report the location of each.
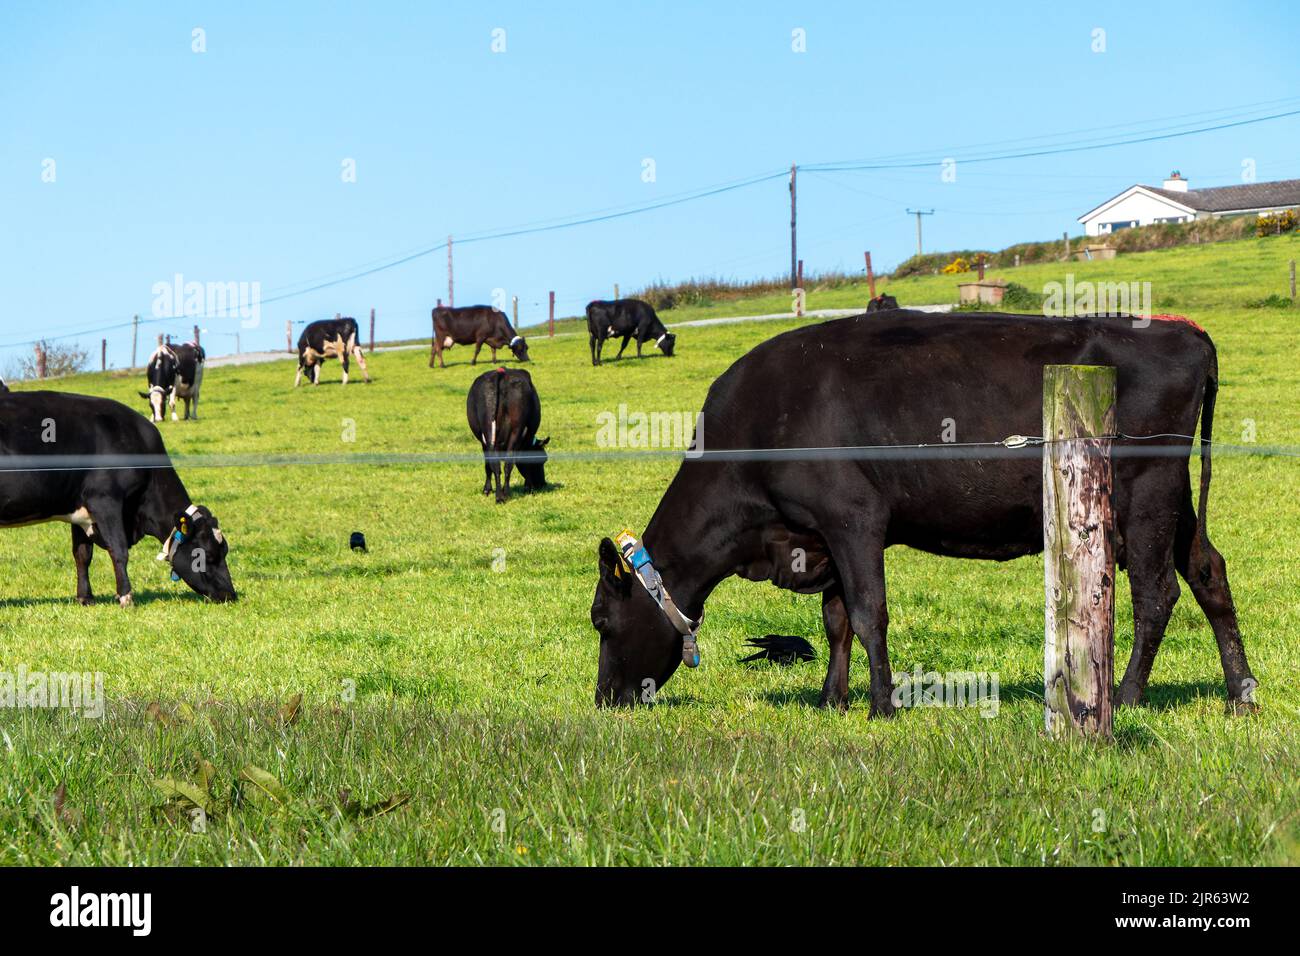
(478, 325)
(102, 468)
(882, 303)
(504, 413)
(628, 318)
(3, 387)
(892, 379)
(329, 338)
(174, 371)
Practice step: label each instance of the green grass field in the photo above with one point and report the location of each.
(447, 676)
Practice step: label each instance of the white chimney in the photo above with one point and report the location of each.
(1176, 183)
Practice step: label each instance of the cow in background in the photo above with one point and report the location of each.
(628, 318)
(882, 303)
(174, 371)
(329, 338)
(504, 412)
(109, 477)
(477, 325)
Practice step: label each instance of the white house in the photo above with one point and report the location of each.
(1175, 202)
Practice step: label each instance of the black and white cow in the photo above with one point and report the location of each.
(889, 380)
(102, 468)
(329, 338)
(504, 413)
(626, 318)
(174, 371)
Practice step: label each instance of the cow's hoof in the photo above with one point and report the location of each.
(125, 599)
(1239, 707)
(1128, 696)
(883, 709)
(85, 600)
(830, 702)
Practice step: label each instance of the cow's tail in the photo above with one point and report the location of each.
(1207, 433)
(494, 384)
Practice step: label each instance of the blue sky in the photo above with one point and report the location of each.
(226, 165)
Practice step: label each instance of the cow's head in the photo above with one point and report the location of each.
(198, 554)
(666, 343)
(534, 468)
(519, 347)
(639, 648)
(157, 398)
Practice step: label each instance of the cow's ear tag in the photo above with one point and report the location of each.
(185, 526)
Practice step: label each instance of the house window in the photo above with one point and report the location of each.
(1172, 219)
(1117, 226)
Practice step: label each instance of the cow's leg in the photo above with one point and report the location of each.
(315, 373)
(600, 348)
(297, 379)
(835, 617)
(172, 404)
(1206, 573)
(494, 354)
(343, 359)
(434, 350)
(487, 474)
(83, 549)
(478, 347)
(626, 338)
(110, 533)
(591, 340)
(513, 443)
(360, 353)
(857, 548)
(1148, 545)
(639, 342)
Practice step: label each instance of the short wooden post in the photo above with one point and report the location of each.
(103, 355)
(981, 263)
(1066, 237)
(135, 331)
(337, 316)
(514, 311)
(1078, 549)
(160, 340)
(798, 288)
(616, 291)
(550, 321)
(372, 329)
(1293, 278)
(871, 276)
(40, 361)
(288, 335)
(196, 335)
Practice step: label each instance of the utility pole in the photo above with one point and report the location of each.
(451, 286)
(918, 213)
(794, 251)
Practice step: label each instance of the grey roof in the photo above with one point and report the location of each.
(1284, 192)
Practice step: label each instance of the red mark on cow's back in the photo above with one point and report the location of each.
(1178, 318)
(501, 369)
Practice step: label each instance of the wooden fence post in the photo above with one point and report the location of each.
(103, 355)
(40, 361)
(1078, 550)
(981, 264)
(550, 322)
(514, 311)
(1066, 236)
(616, 291)
(1292, 278)
(288, 335)
(372, 329)
(196, 335)
(798, 288)
(135, 331)
(871, 276)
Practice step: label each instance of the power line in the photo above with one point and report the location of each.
(841, 166)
